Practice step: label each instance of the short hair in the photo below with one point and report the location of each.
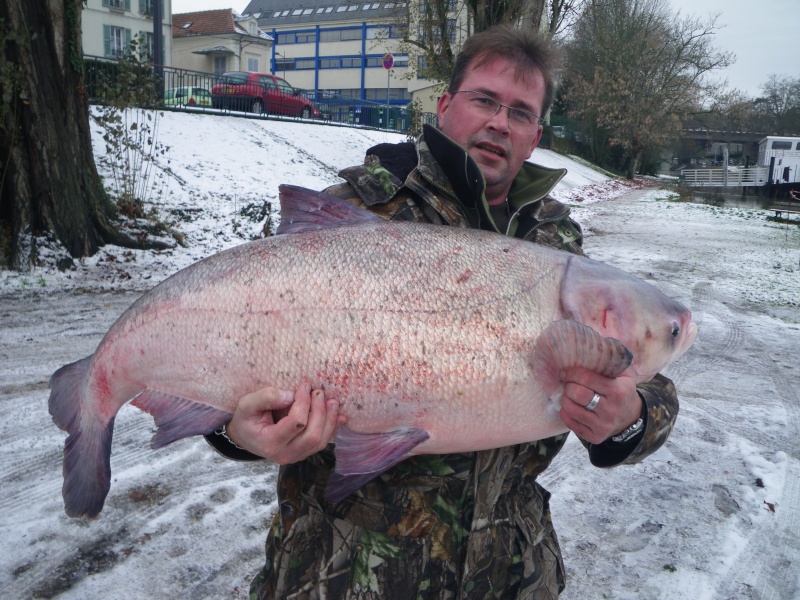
(524, 47)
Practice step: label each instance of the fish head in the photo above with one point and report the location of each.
(656, 329)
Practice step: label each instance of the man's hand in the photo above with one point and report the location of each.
(619, 407)
(282, 426)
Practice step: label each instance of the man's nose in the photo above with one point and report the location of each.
(501, 120)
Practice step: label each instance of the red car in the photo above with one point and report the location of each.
(260, 93)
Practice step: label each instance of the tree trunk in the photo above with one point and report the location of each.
(488, 13)
(633, 165)
(49, 179)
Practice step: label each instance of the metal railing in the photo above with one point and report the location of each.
(731, 177)
(195, 95)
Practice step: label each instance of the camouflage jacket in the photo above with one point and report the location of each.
(473, 525)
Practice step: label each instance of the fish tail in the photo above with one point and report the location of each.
(65, 394)
(87, 471)
(87, 449)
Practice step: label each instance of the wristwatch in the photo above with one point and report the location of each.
(631, 432)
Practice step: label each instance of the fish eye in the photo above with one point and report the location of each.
(676, 330)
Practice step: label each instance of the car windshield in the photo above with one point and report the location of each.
(235, 78)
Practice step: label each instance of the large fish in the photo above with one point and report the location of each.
(434, 340)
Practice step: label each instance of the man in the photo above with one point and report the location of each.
(474, 525)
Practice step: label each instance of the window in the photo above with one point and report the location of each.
(350, 63)
(220, 65)
(252, 64)
(435, 32)
(320, 9)
(285, 87)
(386, 31)
(266, 82)
(352, 8)
(121, 5)
(115, 41)
(305, 63)
(781, 145)
(297, 12)
(145, 48)
(374, 61)
(337, 35)
(285, 64)
(308, 11)
(379, 94)
(146, 7)
(798, 145)
(277, 14)
(422, 66)
(328, 63)
(297, 38)
(341, 8)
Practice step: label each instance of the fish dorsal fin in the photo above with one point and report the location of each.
(306, 210)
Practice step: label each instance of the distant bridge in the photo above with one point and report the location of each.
(711, 136)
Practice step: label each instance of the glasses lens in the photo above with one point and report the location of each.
(488, 106)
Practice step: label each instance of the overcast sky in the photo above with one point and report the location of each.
(762, 34)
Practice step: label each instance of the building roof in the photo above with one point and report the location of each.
(211, 22)
(277, 13)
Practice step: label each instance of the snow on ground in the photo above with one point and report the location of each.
(712, 515)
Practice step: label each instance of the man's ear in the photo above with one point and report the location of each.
(442, 105)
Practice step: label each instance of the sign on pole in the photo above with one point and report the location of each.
(388, 63)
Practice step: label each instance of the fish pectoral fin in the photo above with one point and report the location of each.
(360, 457)
(178, 418)
(571, 344)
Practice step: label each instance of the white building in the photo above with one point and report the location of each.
(109, 26)
(340, 46)
(217, 41)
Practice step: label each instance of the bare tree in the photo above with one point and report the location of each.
(488, 13)
(48, 177)
(434, 29)
(634, 68)
(779, 107)
(551, 17)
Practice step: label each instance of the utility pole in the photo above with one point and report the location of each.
(158, 45)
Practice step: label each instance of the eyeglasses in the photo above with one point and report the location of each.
(485, 105)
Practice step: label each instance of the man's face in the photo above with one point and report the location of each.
(496, 144)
